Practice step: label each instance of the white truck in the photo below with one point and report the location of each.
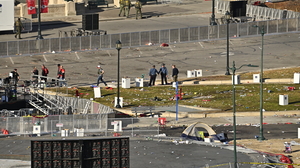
(7, 15)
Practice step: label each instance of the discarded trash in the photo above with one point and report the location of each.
(149, 44)
(288, 148)
(164, 45)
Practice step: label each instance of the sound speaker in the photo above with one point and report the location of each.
(90, 22)
(238, 8)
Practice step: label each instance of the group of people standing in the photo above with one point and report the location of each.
(60, 74)
(163, 72)
(125, 6)
(35, 73)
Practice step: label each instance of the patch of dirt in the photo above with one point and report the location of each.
(275, 146)
(288, 5)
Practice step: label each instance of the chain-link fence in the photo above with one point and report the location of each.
(144, 38)
(133, 127)
(54, 124)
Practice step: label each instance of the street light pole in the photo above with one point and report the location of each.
(39, 21)
(227, 17)
(261, 129)
(234, 109)
(118, 47)
(234, 117)
(213, 18)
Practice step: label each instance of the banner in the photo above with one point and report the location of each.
(44, 6)
(31, 7)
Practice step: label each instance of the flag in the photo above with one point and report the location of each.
(44, 6)
(31, 7)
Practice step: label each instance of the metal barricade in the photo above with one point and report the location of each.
(78, 40)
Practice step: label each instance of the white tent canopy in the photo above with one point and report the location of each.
(192, 132)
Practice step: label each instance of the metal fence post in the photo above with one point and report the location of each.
(159, 41)
(100, 42)
(59, 41)
(7, 48)
(189, 34)
(199, 33)
(70, 43)
(149, 36)
(130, 43)
(140, 38)
(80, 43)
(18, 48)
(169, 36)
(49, 42)
(179, 38)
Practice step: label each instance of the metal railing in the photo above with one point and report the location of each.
(24, 125)
(155, 37)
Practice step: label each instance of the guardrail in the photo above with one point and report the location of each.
(155, 37)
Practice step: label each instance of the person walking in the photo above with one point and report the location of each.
(175, 73)
(100, 73)
(15, 76)
(152, 73)
(138, 9)
(61, 76)
(45, 72)
(19, 27)
(127, 5)
(163, 71)
(122, 8)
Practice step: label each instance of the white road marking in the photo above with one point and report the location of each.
(108, 53)
(45, 58)
(201, 45)
(12, 61)
(77, 55)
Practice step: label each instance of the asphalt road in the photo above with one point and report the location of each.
(281, 51)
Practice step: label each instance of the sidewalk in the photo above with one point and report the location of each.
(110, 14)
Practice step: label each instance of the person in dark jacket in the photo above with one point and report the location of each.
(175, 73)
(152, 73)
(45, 72)
(163, 71)
(35, 73)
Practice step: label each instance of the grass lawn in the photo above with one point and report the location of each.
(210, 96)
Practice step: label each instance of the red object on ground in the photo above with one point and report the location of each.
(264, 123)
(291, 88)
(143, 115)
(285, 159)
(5, 132)
(162, 121)
(164, 45)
